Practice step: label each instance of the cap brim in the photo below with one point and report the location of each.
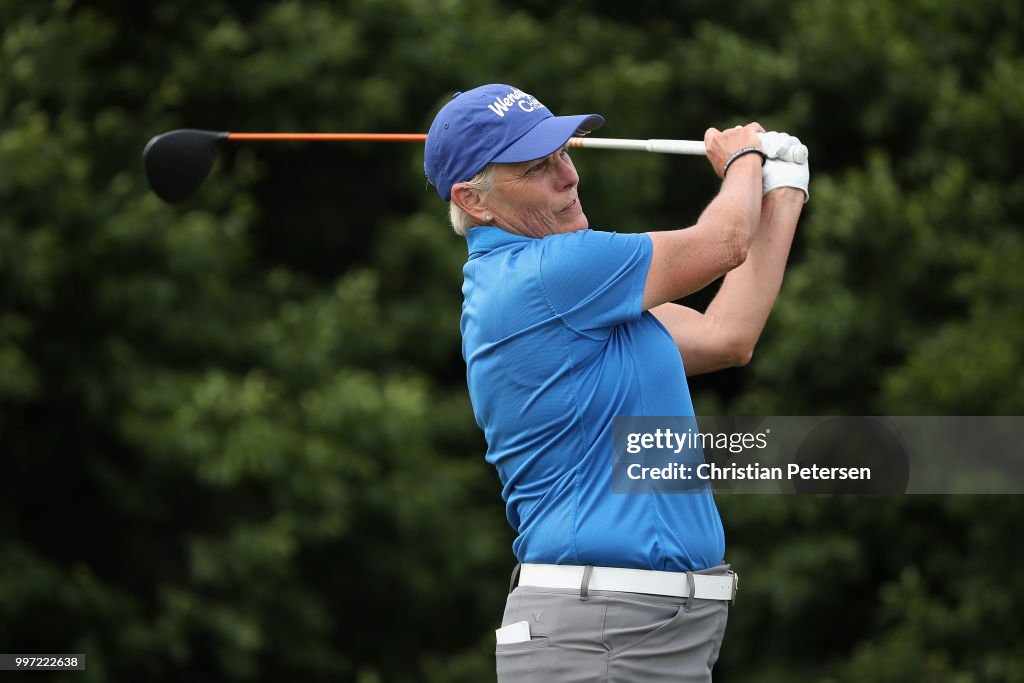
(548, 136)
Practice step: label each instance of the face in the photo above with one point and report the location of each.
(537, 198)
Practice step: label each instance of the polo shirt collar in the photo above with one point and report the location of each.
(486, 238)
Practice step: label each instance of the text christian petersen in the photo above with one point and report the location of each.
(663, 441)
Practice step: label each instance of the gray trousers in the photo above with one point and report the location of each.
(611, 637)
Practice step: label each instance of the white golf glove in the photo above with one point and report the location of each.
(775, 174)
(775, 145)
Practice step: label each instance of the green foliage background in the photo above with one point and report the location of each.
(235, 438)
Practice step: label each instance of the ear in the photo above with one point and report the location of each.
(471, 202)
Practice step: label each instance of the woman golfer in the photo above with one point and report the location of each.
(565, 328)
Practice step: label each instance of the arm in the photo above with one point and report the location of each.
(684, 261)
(726, 333)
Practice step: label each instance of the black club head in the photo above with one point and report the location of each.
(177, 162)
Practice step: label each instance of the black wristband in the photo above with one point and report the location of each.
(740, 152)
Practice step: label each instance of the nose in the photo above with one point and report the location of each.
(567, 175)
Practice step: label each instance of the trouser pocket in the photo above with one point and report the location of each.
(521, 662)
(684, 647)
(629, 623)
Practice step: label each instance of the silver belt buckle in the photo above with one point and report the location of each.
(735, 586)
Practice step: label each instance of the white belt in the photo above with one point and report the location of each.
(704, 586)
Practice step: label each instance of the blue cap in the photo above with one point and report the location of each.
(494, 123)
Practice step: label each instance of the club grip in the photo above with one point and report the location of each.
(695, 147)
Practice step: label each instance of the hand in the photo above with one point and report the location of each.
(776, 174)
(721, 144)
(775, 145)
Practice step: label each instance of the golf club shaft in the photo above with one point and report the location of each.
(336, 137)
(663, 146)
(797, 153)
(659, 146)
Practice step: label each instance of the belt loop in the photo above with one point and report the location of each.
(514, 580)
(692, 583)
(585, 585)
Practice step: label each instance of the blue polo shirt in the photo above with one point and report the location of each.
(557, 344)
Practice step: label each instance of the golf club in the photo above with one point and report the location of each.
(177, 162)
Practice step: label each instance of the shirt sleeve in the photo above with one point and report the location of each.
(595, 279)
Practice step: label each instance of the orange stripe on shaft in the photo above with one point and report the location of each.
(336, 137)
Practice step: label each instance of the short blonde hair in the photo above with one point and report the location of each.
(482, 182)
